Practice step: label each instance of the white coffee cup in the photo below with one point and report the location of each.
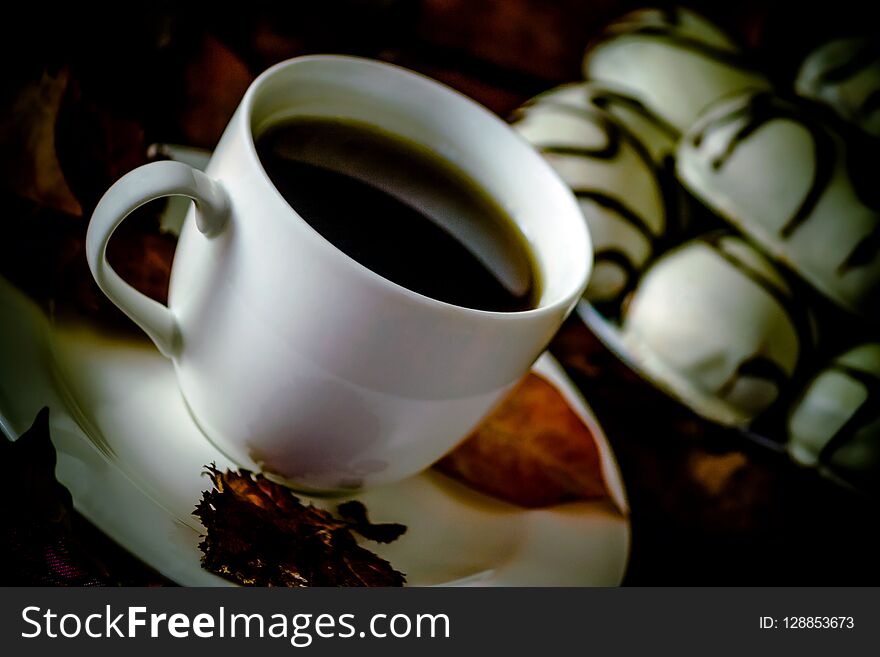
(300, 362)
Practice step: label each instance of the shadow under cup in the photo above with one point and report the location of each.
(342, 379)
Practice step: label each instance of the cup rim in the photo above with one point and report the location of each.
(566, 299)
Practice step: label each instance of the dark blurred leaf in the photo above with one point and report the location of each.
(37, 545)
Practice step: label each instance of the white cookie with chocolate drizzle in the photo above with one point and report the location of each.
(835, 423)
(716, 325)
(673, 61)
(612, 175)
(790, 182)
(844, 74)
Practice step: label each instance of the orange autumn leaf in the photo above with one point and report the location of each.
(533, 450)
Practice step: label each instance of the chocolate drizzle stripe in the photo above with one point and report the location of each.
(611, 131)
(715, 240)
(606, 98)
(867, 412)
(862, 56)
(619, 208)
(796, 313)
(667, 33)
(757, 112)
(606, 152)
(823, 157)
(615, 133)
(614, 255)
(621, 260)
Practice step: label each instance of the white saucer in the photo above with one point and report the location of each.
(132, 458)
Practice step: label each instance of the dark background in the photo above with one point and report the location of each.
(708, 506)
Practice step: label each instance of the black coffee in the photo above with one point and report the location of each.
(401, 211)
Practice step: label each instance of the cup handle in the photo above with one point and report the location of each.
(134, 189)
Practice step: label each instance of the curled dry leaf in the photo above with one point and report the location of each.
(532, 450)
(258, 533)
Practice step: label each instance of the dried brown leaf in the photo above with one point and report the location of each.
(258, 533)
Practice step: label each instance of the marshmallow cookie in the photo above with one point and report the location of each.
(795, 187)
(718, 326)
(612, 175)
(845, 75)
(836, 421)
(674, 62)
